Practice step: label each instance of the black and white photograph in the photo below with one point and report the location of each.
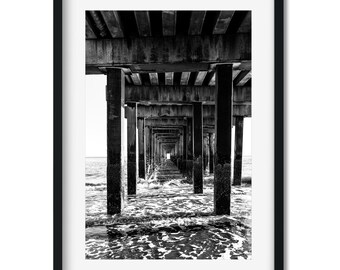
(168, 167)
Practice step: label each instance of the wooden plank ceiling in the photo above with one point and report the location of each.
(129, 24)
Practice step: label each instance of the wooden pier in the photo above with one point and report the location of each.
(177, 82)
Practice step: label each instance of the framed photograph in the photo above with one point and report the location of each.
(168, 134)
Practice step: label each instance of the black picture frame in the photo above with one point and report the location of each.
(278, 136)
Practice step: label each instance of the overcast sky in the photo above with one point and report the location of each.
(96, 119)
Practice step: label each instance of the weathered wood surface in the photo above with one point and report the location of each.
(211, 151)
(116, 144)
(169, 78)
(197, 172)
(200, 77)
(131, 112)
(153, 78)
(169, 22)
(143, 23)
(94, 20)
(190, 147)
(141, 147)
(245, 26)
(113, 24)
(167, 136)
(89, 31)
(166, 121)
(209, 48)
(186, 110)
(223, 22)
(185, 151)
(245, 79)
(175, 122)
(238, 151)
(183, 69)
(196, 22)
(184, 94)
(223, 127)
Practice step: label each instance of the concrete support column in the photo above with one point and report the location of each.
(190, 146)
(152, 151)
(197, 147)
(211, 152)
(238, 150)
(141, 147)
(157, 151)
(205, 153)
(147, 150)
(131, 112)
(185, 151)
(176, 152)
(116, 145)
(223, 129)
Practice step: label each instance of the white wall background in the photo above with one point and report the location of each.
(312, 133)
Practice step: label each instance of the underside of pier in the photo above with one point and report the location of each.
(177, 84)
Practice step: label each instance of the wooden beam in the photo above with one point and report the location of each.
(245, 26)
(128, 79)
(136, 79)
(200, 77)
(89, 31)
(196, 22)
(236, 72)
(162, 123)
(143, 23)
(167, 135)
(153, 78)
(181, 94)
(167, 138)
(169, 23)
(236, 21)
(99, 23)
(240, 76)
(245, 79)
(169, 78)
(164, 129)
(186, 110)
(171, 122)
(113, 24)
(212, 81)
(168, 50)
(208, 78)
(168, 67)
(165, 121)
(223, 22)
(128, 23)
(185, 78)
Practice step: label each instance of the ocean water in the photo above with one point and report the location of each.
(95, 170)
(166, 221)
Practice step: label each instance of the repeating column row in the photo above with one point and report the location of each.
(134, 149)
